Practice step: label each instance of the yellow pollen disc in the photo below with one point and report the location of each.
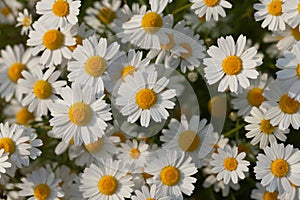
(53, 39)
(106, 15)
(288, 105)
(80, 114)
(134, 153)
(60, 8)
(26, 21)
(41, 192)
(24, 116)
(42, 89)
(295, 32)
(8, 145)
(298, 7)
(170, 175)
(15, 71)
(108, 185)
(266, 127)
(188, 141)
(78, 42)
(298, 71)
(95, 66)
(211, 3)
(170, 44)
(121, 136)
(150, 199)
(95, 147)
(145, 98)
(5, 11)
(279, 168)
(127, 70)
(270, 195)
(152, 22)
(232, 65)
(255, 97)
(275, 8)
(189, 50)
(230, 164)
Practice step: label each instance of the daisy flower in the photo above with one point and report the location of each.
(4, 163)
(229, 164)
(91, 61)
(287, 39)
(172, 174)
(293, 194)
(270, 11)
(13, 61)
(80, 33)
(143, 96)
(58, 13)
(210, 8)
(34, 142)
(231, 64)
(41, 184)
(25, 20)
(40, 89)
(290, 72)
(107, 180)
(51, 42)
(149, 29)
(260, 193)
(81, 156)
(252, 96)
(193, 137)
(278, 168)
(79, 115)
(282, 110)
(198, 24)
(146, 194)
(7, 13)
(291, 13)
(261, 130)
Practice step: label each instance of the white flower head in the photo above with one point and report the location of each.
(25, 20)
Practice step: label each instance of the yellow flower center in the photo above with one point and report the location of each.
(134, 153)
(255, 97)
(80, 114)
(150, 199)
(106, 15)
(295, 32)
(152, 22)
(145, 98)
(41, 191)
(42, 89)
(108, 185)
(78, 42)
(189, 50)
(53, 39)
(24, 116)
(298, 7)
(95, 147)
(266, 127)
(170, 176)
(15, 71)
(60, 8)
(170, 44)
(288, 105)
(270, 195)
(5, 11)
(120, 135)
(279, 168)
(275, 8)
(230, 164)
(26, 21)
(188, 141)
(8, 145)
(298, 71)
(211, 3)
(127, 70)
(95, 66)
(232, 65)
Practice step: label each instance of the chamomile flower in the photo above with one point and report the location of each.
(80, 155)
(41, 184)
(4, 161)
(107, 180)
(290, 72)
(41, 89)
(287, 39)
(199, 24)
(80, 33)
(192, 137)
(261, 130)
(13, 61)
(210, 8)
(52, 42)
(294, 194)
(278, 168)
(229, 164)
(252, 96)
(282, 110)
(260, 193)
(79, 115)
(172, 172)
(146, 194)
(149, 29)
(270, 12)
(231, 64)
(143, 96)
(34, 142)
(91, 61)
(8, 10)
(25, 20)
(58, 13)
(291, 13)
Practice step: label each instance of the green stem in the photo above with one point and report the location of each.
(237, 132)
(212, 194)
(232, 131)
(182, 8)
